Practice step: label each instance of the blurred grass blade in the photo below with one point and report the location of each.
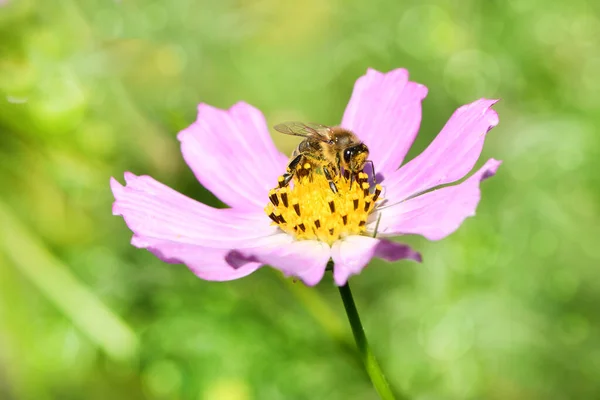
(72, 297)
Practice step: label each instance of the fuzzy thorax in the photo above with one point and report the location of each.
(309, 209)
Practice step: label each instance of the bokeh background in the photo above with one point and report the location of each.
(506, 308)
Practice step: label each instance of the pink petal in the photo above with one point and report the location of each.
(178, 229)
(155, 211)
(216, 244)
(207, 263)
(305, 259)
(351, 254)
(451, 155)
(385, 112)
(435, 214)
(217, 264)
(232, 155)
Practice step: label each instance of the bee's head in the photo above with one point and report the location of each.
(355, 157)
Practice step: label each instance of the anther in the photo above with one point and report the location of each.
(331, 230)
(377, 192)
(274, 199)
(331, 206)
(284, 198)
(317, 223)
(365, 188)
(281, 181)
(274, 218)
(296, 206)
(367, 205)
(300, 173)
(301, 226)
(355, 202)
(362, 223)
(308, 169)
(345, 219)
(279, 217)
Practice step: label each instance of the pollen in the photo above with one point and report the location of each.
(308, 208)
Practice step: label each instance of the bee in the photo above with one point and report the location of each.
(330, 150)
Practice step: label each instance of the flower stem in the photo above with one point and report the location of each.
(368, 358)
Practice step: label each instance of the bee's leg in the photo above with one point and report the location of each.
(287, 177)
(330, 180)
(291, 170)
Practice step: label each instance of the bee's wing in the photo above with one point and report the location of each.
(318, 132)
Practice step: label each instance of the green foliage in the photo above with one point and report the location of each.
(506, 308)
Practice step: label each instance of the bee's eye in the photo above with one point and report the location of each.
(347, 155)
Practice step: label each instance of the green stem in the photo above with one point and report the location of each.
(368, 358)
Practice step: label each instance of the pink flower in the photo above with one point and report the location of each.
(232, 155)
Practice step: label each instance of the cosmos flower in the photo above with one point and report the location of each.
(299, 228)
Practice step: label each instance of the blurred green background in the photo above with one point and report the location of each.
(506, 308)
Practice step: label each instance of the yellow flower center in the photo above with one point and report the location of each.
(311, 210)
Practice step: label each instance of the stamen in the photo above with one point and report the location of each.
(296, 206)
(300, 172)
(304, 170)
(273, 197)
(274, 218)
(378, 190)
(331, 206)
(310, 209)
(284, 198)
(363, 177)
(365, 188)
(355, 202)
(279, 218)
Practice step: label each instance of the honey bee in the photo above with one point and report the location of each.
(330, 150)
